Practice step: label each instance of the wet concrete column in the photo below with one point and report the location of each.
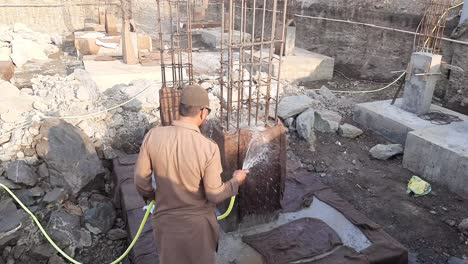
(422, 76)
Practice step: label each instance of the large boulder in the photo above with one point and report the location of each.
(101, 213)
(64, 228)
(88, 90)
(24, 50)
(384, 152)
(294, 105)
(20, 172)
(70, 155)
(305, 125)
(327, 121)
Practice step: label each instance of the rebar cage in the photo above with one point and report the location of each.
(174, 19)
(250, 69)
(431, 29)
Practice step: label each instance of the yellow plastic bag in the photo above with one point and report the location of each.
(418, 187)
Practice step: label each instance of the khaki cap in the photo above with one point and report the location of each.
(195, 95)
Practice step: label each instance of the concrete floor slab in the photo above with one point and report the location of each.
(212, 37)
(440, 154)
(392, 122)
(303, 66)
(109, 73)
(233, 250)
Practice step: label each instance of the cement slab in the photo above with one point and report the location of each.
(302, 66)
(392, 122)
(440, 154)
(212, 37)
(106, 74)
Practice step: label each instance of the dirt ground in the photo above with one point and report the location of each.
(425, 225)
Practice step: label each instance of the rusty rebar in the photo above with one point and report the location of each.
(432, 26)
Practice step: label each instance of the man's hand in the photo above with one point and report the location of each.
(240, 176)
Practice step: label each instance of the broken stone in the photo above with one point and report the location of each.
(10, 218)
(56, 260)
(43, 251)
(8, 89)
(117, 234)
(384, 152)
(56, 194)
(43, 171)
(305, 126)
(40, 106)
(69, 154)
(11, 185)
(101, 213)
(11, 117)
(463, 226)
(36, 192)
(293, 105)
(327, 94)
(349, 131)
(290, 123)
(20, 155)
(85, 240)
(454, 260)
(64, 228)
(25, 196)
(206, 85)
(4, 139)
(327, 121)
(24, 50)
(20, 172)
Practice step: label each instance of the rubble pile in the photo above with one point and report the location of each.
(21, 44)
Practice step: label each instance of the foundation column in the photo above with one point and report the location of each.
(422, 76)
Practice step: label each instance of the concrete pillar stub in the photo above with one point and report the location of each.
(419, 89)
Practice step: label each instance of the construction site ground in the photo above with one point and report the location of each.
(425, 225)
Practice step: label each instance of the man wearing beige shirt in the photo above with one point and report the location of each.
(187, 168)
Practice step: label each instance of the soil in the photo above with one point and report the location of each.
(425, 225)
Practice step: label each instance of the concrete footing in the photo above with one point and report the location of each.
(440, 154)
(212, 37)
(259, 199)
(301, 66)
(391, 121)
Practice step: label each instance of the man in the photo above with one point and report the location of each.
(187, 167)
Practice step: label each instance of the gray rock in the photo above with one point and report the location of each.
(43, 251)
(57, 194)
(11, 185)
(117, 234)
(64, 228)
(69, 154)
(36, 192)
(290, 123)
(2, 261)
(20, 172)
(294, 105)
(384, 152)
(454, 260)
(88, 90)
(101, 213)
(463, 226)
(10, 218)
(327, 94)
(349, 131)
(56, 260)
(43, 171)
(327, 121)
(305, 126)
(25, 196)
(85, 240)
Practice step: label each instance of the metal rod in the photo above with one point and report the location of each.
(270, 64)
(283, 39)
(222, 61)
(261, 61)
(252, 39)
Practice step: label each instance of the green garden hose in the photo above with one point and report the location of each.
(137, 236)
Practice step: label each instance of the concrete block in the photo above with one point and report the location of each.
(419, 90)
(300, 67)
(391, 121)
(440, 154)
(212, 37)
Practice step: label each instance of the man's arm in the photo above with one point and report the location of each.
(215, 190)
(143, 171)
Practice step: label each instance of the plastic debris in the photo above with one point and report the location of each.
(418, 187)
